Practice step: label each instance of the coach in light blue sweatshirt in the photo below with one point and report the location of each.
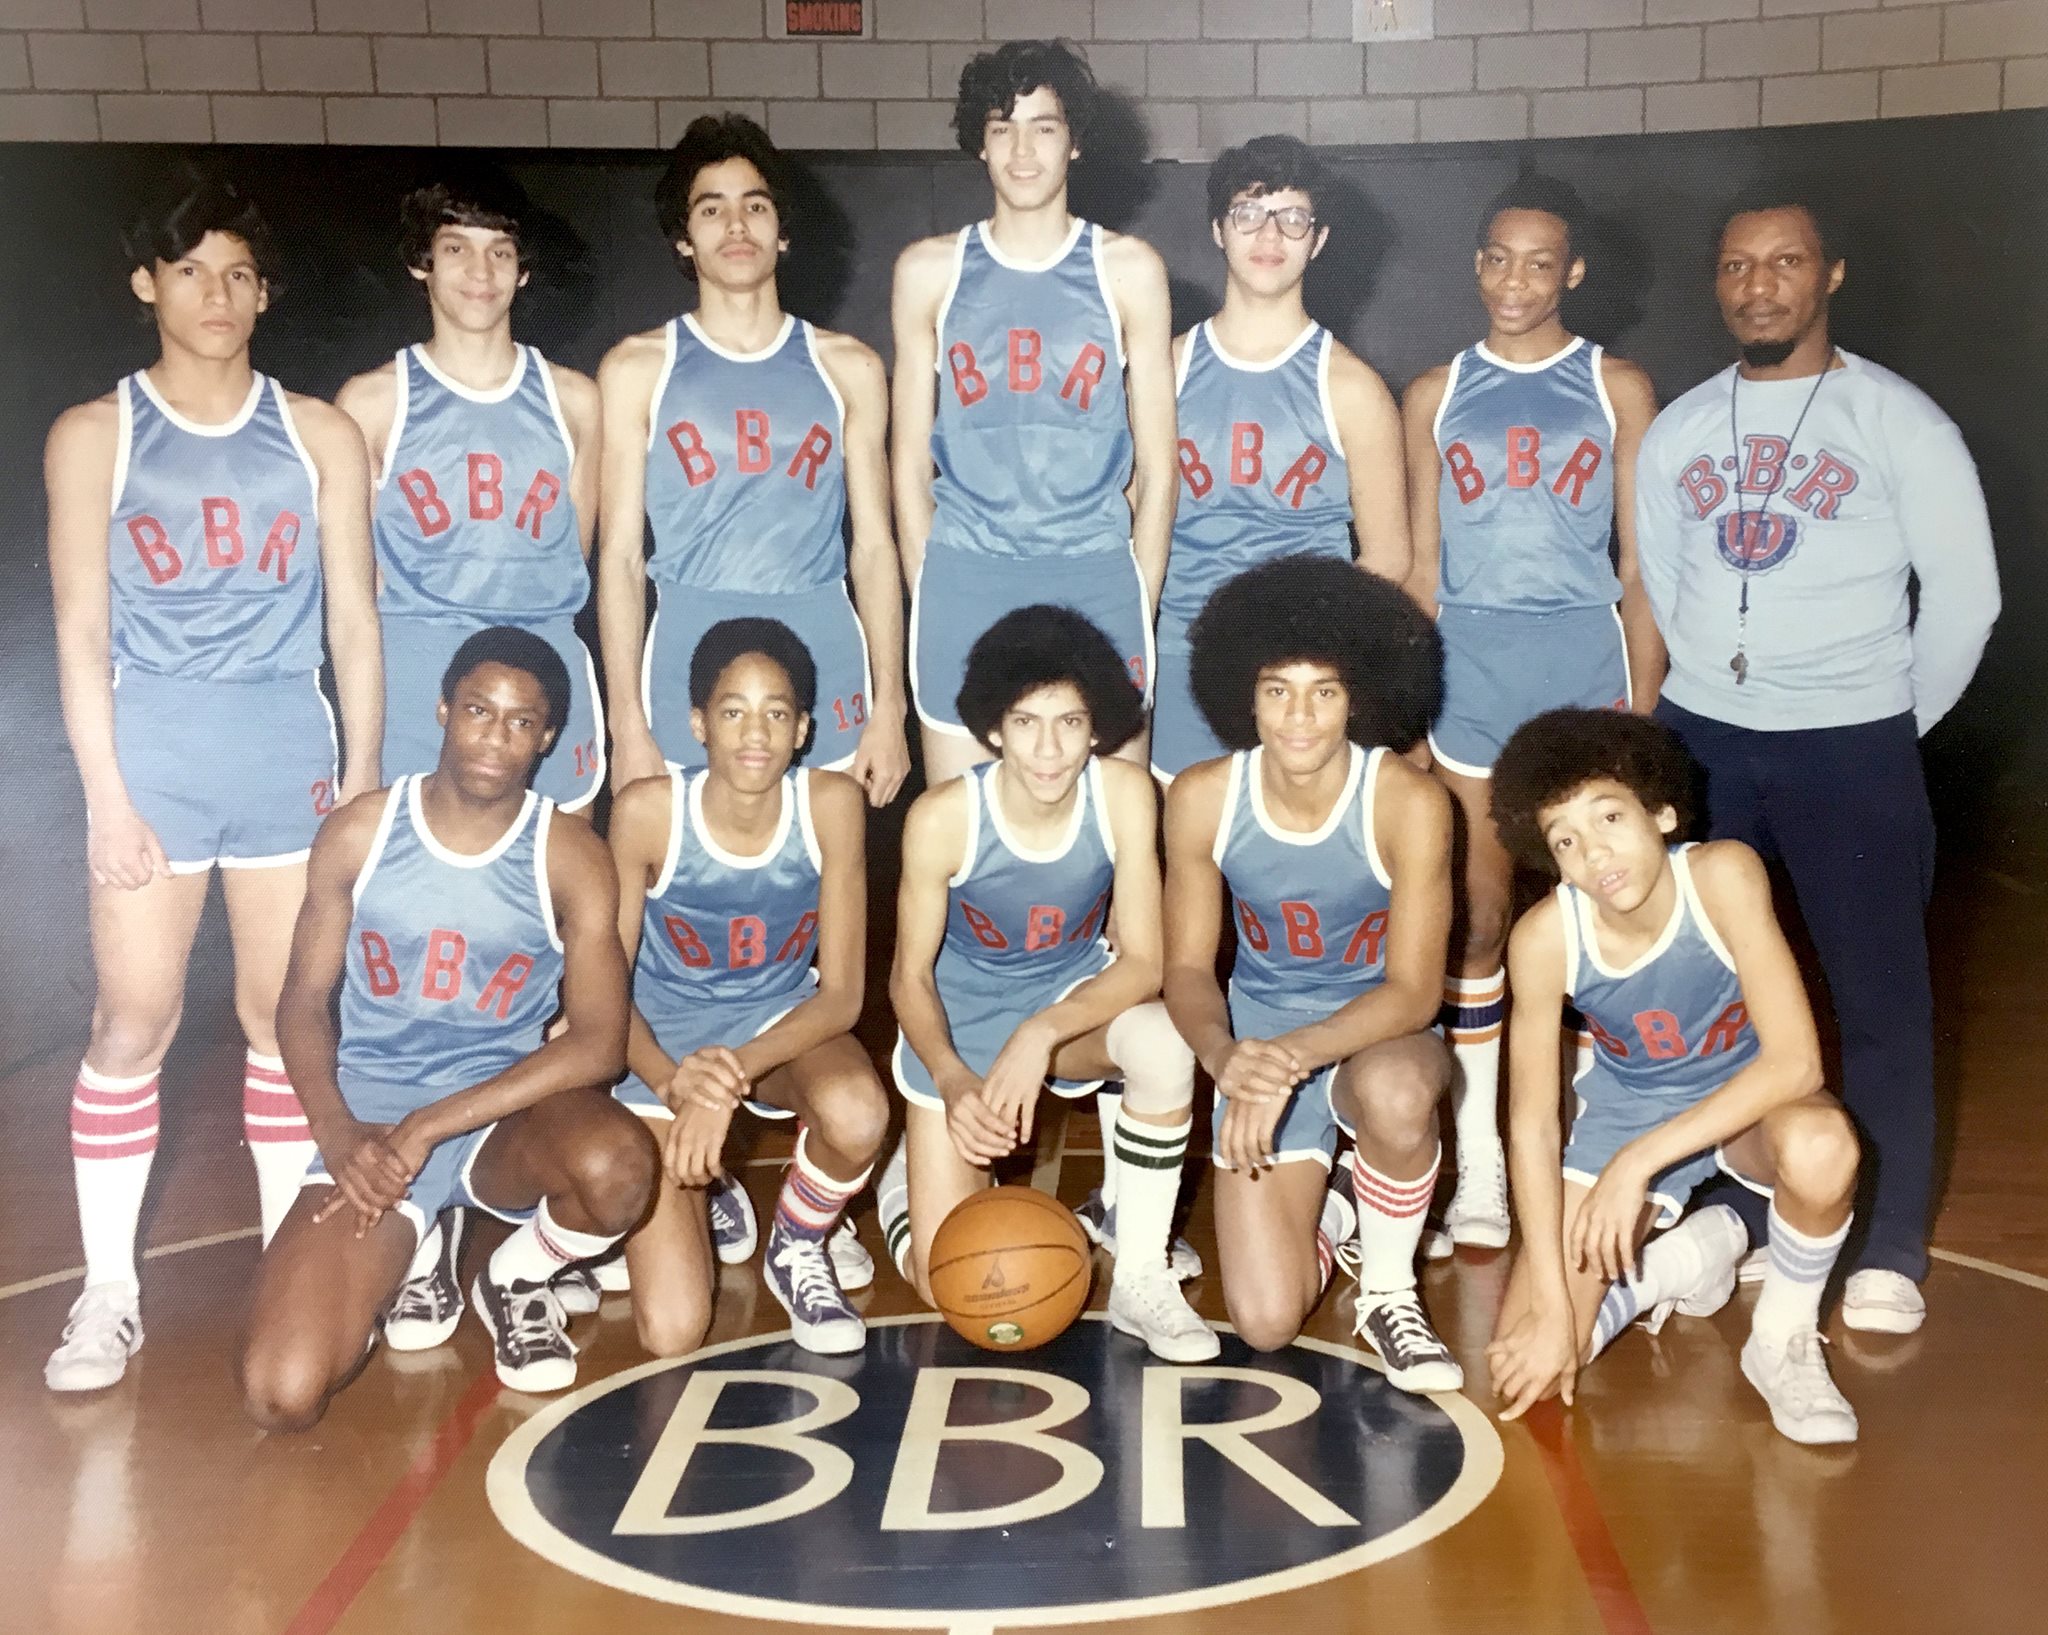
(1780, 508)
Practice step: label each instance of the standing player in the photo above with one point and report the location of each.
(486, 482)
(1336, 853)
(1003, 979)
(743, 904)
(202, 521)
(1033, 395)
(748, 439)
(1288, 440)
(1521, 466)
(1706, 1059)
(457, 918)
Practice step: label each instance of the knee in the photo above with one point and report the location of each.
(1262, 1321)
(1158, 1067)
(671, 1329)
(850, 1113)
(613, 1173)
(131, 1042)
(1815, 1150)
(284, 1387)
(1397, 1106)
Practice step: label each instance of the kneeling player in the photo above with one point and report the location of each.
(451, 909)
(1706, 1058)
(731, 877)
(1003, 979)
(1337, 853)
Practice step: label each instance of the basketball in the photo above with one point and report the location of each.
(1010, 1269)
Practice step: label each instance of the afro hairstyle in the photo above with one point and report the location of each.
(711, 139)
(185, 205)
(1547, 194)
(1042, 646)
(471, 198)
(991, 83)
(517, 650)
(1266, 164)
(732, 639)
(1554, 755)
(1322, 610)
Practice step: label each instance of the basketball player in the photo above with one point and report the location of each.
(1336, 852)
(743, 903)
(204, 522)
(1706, 1058)
(747, 438)
(1003, 980)
(1033, 392)
(486, 462)
(457, 918)
(1287, 438)
(1521, 462)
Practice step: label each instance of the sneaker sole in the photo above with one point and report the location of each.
(1794, 1433)
(535, 1379)
(73, 1385)
(1882, 1320)
(1426, 1380)
(1479, 1235)
(1208, 1353)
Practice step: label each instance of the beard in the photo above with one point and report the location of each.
(1767, 354)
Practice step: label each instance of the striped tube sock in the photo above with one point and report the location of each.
(1675, 1266)
(1327, 1230)
(1620, 1306)
(1108, 1103)
(1390, 1214)
(1146, 1160)
(113, 1141)
(542, 1247)
(1473, 1008)
(892, 1207)
(280, 1140)
(812, 1201)
(1789, 1301)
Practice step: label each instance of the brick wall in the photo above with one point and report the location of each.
(1204, 73)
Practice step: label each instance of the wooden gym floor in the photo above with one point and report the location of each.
(1662, 1502)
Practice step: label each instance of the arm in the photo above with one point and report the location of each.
(1137, 281)
(1635, 406)
(625, 385)
(348, 571)
(1659, 528)
(883, 760)
(78, 475)
(1375, 453)
(1425, 528)
(583, 410)
(921, 274)
(1948, 538)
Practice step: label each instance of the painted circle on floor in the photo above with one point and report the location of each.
(923, 1482)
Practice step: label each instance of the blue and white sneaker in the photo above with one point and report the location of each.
(799, 1274)
(735, 1234)
(1098, 1222)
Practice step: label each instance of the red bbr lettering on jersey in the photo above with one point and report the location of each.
(1726, 1032)
(1044, 926)
(797, 945)
(1659, 1031)
(1606, 1041)
(221, 519)
(540, 499)
(970, 385)
(1085, 376)
(1763, 465)
(1369, 941)
(1824, 487)
(1304, 929)
(1465, 473)
(683, 938)
(811, 455)
(442, 978)
(750, 439)
(1251, 928)
(1303, 475)
(1247, 441)
(424, 501)
(378, 969)
(1087, 927)
(1199, 478)
(698, 465)
(1025, 372)
(985, 930)
(1702, 487)
(486, 487)
(276, 556)
(160, 559)
(746, 942)
(1578, 471)
(505, 983)
(1524, 469)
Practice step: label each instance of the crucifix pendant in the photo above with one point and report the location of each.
(1740, 665)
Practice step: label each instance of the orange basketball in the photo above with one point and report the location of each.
(1010, 1269)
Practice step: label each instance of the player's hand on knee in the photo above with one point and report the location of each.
(882, 761)
(635, 755)
(1603, 1232)
(1011, 1088)
(710, 1078)
(1246, 1139)
(696, 1138)
(1537, 1357)
(980, 1135)
(369, 1176)
(122, 850)
(1258, 1070)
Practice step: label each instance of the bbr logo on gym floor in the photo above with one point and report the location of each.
(921, 1479)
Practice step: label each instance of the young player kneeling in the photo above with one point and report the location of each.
(1002, 978)
(1706, 1058)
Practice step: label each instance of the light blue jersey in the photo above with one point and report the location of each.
(746, 468)
(1032, 439)
(213, 541)
(473, 519)
(1525, 495)
(454, 963)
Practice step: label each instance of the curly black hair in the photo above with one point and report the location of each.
(1547, 194)
(1324, 610)
(1787, 193)
(732, 639)
(478, 198)
(517, 650)
(1554, 755)
(991, 83)
(1265, 164)
(1042, 646)
(186, 204)
(711, 139)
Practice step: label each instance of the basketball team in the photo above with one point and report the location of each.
(1518, 620)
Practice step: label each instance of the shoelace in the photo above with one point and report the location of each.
(1407, 1328)
(1159, 1292)
(1806, 1368)
(418, 1298)
(1493, 1194)
(102, 1312)
(810, 1275)
(534, 1325)
(726, 1220)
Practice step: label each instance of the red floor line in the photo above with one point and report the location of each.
(1599, 1558)
(335, 1593)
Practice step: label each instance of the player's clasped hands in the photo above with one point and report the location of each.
(1534, 1359)
(711, 1078)
(980, 1134)
(1256, 1078)
(372, 1169)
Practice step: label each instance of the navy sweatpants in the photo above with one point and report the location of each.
(1845, 810)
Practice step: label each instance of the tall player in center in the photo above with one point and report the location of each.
(1033, 397)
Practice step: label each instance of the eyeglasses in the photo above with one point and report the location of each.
(1248, 216)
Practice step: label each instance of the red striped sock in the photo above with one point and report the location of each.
(1326, 1258)
(113, 1142)
(535, 1252)
(1390, 1217)
(280, 1140)
(812, 1201)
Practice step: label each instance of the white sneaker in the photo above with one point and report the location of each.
(1478, 1216)
(1794, 1383)
(851, 1263)
(1098, 1222)
(578, 1291)
(1881, 1302)
(1339, 1223)
(1754, 1265)
(1148, 1304)
(102, 1332)
(610, 1271)
(1721, 1236)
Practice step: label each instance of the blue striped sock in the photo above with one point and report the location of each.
(1789, 1301)
(1619, 1307)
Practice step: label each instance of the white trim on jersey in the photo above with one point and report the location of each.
(1233, 786)
(1436, 426)
(401, 405)
(733, 860)
(1323, 831)
(995, 253)
(547, 386)
(946, 301)
(1246, 365)
(661, 377)
(1600, 387)
(781, 340)
(378, 841)
(1116, 321)
(1681, 865)
(227, 428)
(805, 822)
(470, 394)
(1101, 802)
(1568, 917)
(1185, 361)
(960, 876)
(541, 825)
(824, 374)
(1329, 348)
(1535, 368)
(678, 794)
(291, 431)
(597, 727)
(647, 664)
(124, 440)
(1369, 801)
(1023, 853)
(463, 860)
(1589, 939)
